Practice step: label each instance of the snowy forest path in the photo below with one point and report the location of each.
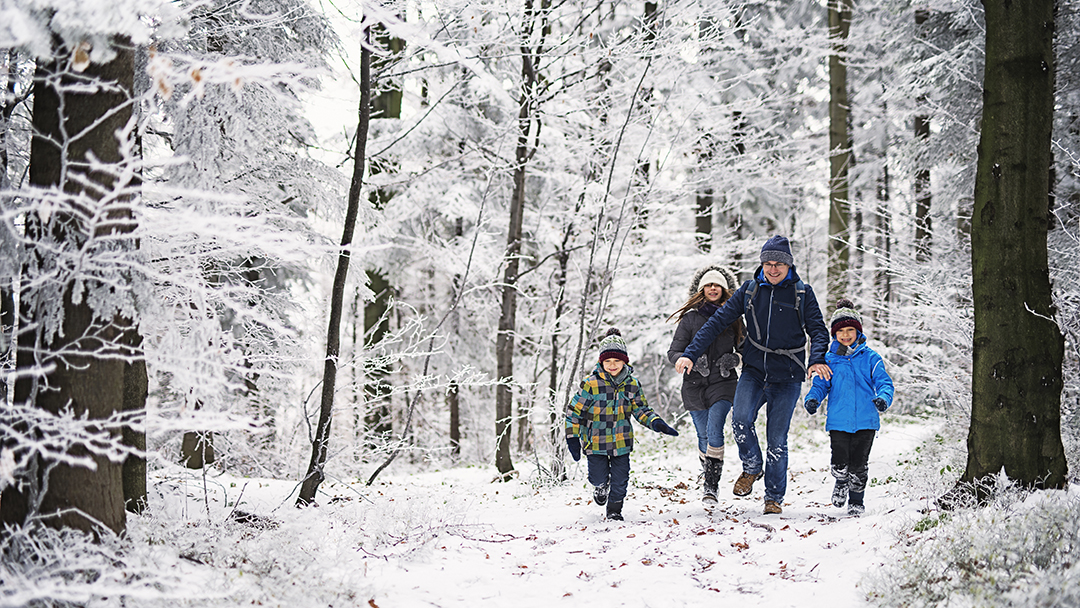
(541, 546)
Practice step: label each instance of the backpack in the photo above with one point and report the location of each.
(800, 305)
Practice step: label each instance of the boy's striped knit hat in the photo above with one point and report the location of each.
(845, 316)
(612, 346)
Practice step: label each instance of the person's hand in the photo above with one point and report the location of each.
(880, 404)
(728, 362)
(660, 426)
(574, 445)
(811, 406)
(820, 369)
(684, 365)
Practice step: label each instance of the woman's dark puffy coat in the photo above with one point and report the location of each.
(700, 392)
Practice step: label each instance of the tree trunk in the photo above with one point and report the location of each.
(1017, 347)
(923, 227)
(378, 423)
(883, 274)
(71, 123)
(703, 219)
(839, 150)
(315, 474)
(387, 104)
(504, 340)
(136, 385)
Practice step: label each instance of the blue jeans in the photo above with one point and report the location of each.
(613, 469)
(750, 394)
(709, 425)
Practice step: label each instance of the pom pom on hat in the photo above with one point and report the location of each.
(777, 249)
(845, 316)
(612, 346)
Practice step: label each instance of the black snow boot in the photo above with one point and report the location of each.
(713, 468)
(614, 510)
(840, 490)
(855, 504)
(600, 493)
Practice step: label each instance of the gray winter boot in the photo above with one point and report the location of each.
(713, 468)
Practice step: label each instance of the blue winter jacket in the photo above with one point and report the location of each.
(772, 322)
(858, 377)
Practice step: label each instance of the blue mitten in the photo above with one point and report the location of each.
(811, 406)
(574, 445)
(880, 404)
(660, 426)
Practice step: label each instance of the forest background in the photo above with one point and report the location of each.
(529, 175)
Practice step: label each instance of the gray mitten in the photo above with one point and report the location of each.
(728, 362)
(701, 366)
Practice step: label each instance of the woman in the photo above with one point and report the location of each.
(709, 388)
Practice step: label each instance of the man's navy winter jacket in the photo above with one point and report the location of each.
(772, 322)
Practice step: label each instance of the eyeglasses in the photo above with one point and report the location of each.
(774, 265)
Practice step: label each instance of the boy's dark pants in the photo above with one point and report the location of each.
(851, 453)
(614, 469)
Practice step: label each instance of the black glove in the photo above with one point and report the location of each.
(574, 445)
(811, 406)
(727, 362)
(880, 404)
(660, 426)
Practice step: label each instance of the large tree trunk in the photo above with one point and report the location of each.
(71, 122)
(1017, 347)
(504, 340)
(320, 443)
(839, 150)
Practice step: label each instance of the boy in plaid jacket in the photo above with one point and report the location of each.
(600, 415)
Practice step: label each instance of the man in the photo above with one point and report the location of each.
(780, 311)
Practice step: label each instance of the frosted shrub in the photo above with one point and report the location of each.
(1019, 550)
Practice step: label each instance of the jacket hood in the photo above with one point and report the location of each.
(732, 284)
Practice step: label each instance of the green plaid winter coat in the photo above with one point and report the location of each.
(600, 412)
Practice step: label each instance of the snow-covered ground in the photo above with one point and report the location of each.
(454, 538)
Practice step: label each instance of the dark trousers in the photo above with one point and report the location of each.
(850, 455)
(610, 469)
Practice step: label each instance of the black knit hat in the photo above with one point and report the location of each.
(612, 346)
(845, 316)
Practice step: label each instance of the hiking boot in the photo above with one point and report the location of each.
(840, 494)
(744, 484)
(772, 508)
(713, 468)
(600, 493)
(614, 510)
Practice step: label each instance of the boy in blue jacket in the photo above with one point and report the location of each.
(600, 415)
(859, 391)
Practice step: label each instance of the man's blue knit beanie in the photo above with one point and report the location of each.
(777, 249)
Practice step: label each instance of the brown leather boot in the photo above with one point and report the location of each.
(745, 484)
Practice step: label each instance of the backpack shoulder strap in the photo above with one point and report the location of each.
(800, 301)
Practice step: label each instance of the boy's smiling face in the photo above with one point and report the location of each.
(847, 335)
(613, 366)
